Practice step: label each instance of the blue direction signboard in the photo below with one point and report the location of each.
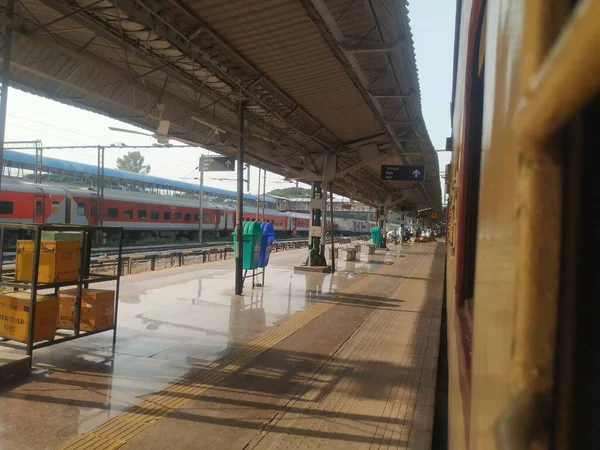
(218, 163)
(402, 173)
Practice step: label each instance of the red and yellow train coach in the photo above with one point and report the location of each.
(23, 201)
(142, 213)
(522, 283)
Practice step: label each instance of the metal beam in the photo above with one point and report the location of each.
(393, 200)
(406, 122)
(239, 280)
(324, 20)
(168, 67)
(65, 47)
(386, 95)
(59, 43)
(150, 13)
(359, 165)
(374, 48)
(240, 58)
(191, 109)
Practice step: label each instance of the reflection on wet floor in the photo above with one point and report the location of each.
(170, 324)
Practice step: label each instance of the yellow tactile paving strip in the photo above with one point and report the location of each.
(117, 431)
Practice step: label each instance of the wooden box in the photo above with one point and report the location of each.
(59, 261)
(14, 316)
(97, 309)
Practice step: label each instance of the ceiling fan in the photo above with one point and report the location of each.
(161, 134)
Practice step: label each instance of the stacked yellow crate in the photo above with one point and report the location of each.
(14, 316)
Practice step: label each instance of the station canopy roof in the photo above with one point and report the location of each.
(28, 160)
(330, 87)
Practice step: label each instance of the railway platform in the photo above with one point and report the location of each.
(342, 360)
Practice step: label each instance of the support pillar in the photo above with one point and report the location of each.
(6, 50)
(100, 187)
(200, 198)
(381, 223)
(332, 232)
(239, 274)
(316, 236)
(38, 162)
(264, 193)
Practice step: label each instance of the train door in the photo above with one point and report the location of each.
(232, 223)
(38, 208)
(68, 210)
(221, 220)
(93, 214)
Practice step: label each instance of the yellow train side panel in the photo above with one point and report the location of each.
(495, 260)
(497, 233)
(457, 431)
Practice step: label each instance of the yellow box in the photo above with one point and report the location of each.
(14, 316)
(97, 309)
(59, 261)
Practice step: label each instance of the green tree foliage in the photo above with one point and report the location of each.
(291, 192)
(133, 162)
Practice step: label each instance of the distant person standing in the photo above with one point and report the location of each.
(391, 236)
(418, 236)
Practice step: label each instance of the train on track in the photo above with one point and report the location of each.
(522, 285)
(143, 214)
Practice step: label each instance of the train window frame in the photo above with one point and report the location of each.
(154, 215)
(7, 207)
(80, 208)
(39, 207)
(127, 213)
(177, 215)
(197, 217)
(166, 215)
(112, 213)
(187, 217)
(142, 214)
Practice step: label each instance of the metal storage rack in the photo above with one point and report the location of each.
(84, 279)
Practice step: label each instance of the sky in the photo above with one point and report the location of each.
(30, 117)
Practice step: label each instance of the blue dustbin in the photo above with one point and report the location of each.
(266, 244)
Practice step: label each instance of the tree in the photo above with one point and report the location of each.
(291, 192)
(133, 162)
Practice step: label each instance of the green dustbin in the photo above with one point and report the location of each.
(376, 235)
(252, 238)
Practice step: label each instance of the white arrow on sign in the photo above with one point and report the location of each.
(416, 173)
(228, 164)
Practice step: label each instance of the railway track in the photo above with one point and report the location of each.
(9, 257)
(170, 255)
(130, 250)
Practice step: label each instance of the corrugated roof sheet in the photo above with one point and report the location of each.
(306, 95)
(88, 169)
